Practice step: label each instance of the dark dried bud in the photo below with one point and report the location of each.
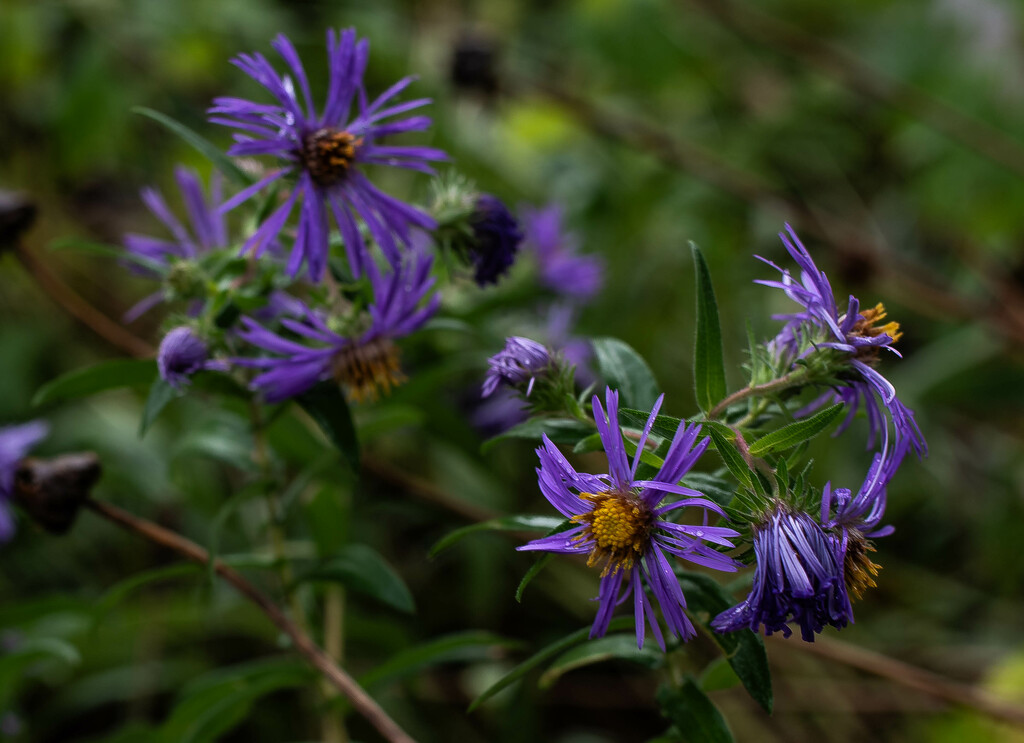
(474, 65)
(52, 490)
(17, 214)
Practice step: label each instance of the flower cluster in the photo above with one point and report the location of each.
(806, 569)
(326, 153)
(627, 526)
(850, 344)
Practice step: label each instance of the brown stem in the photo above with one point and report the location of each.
(775, 385)
(910, 676)
(76, 306)
(360, 700)
(426, 491)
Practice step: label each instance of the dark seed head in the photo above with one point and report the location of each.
(328, 154)
(52, 490)
(17, 214)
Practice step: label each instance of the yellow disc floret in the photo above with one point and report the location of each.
(367, 370)
(858, 569)
(328, 154)
(619, 525)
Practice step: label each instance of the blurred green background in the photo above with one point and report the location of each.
(888, 133)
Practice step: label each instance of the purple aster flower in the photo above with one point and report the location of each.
(562, 268)
(496, 240)
(182, 353)
(854, 519)
(623, 528)
(854, 334)
(206, 230)
(520, 362)
(326, 152)
(365, 363)
(798, 578)
(15, 444)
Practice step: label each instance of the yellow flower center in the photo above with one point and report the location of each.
(368, 370)
(328, 154)
(865, 328)
(858, 569)
(620, 525)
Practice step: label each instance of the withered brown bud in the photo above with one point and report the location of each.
(17, 214)
(474, 64)
(52, 490)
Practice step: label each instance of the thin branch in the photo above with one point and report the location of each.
(426, 491)
(775, 385)
(320, 660)
(80, 309)
(910, 676)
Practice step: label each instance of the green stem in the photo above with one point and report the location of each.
(332, 724)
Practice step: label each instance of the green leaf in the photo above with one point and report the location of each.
(110, 251)
(550, 524)
(708, 363)
(559, 430)
(621, 647)
(205, 147)
(743, 649)
(718, 675)
(693, 714)
(223, 699)
(796, 433)
(732, 458)
(549, 651)
(464, 646)
(539, 564)
(589, 444)
(719, 490)
(362, 569)
(160, 395)
(326, 405)
(119, 591)
(622, 368)
(38, 648)
(664, 426)
(106, 375)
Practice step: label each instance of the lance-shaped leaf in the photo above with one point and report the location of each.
(796, 433)
(543, 524)
(106, 375)
(664, 425)
(743, 649)
(623, 369)
(326, 405)
(708, 363)
(362, 569)
(559, 430)
(612, 647)
(160, 396)
(732, 458)
(538, 658)
(205, 147)
(460, 647)
(696, 717)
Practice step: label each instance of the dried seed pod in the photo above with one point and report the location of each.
(17, 213)
(52, 490)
